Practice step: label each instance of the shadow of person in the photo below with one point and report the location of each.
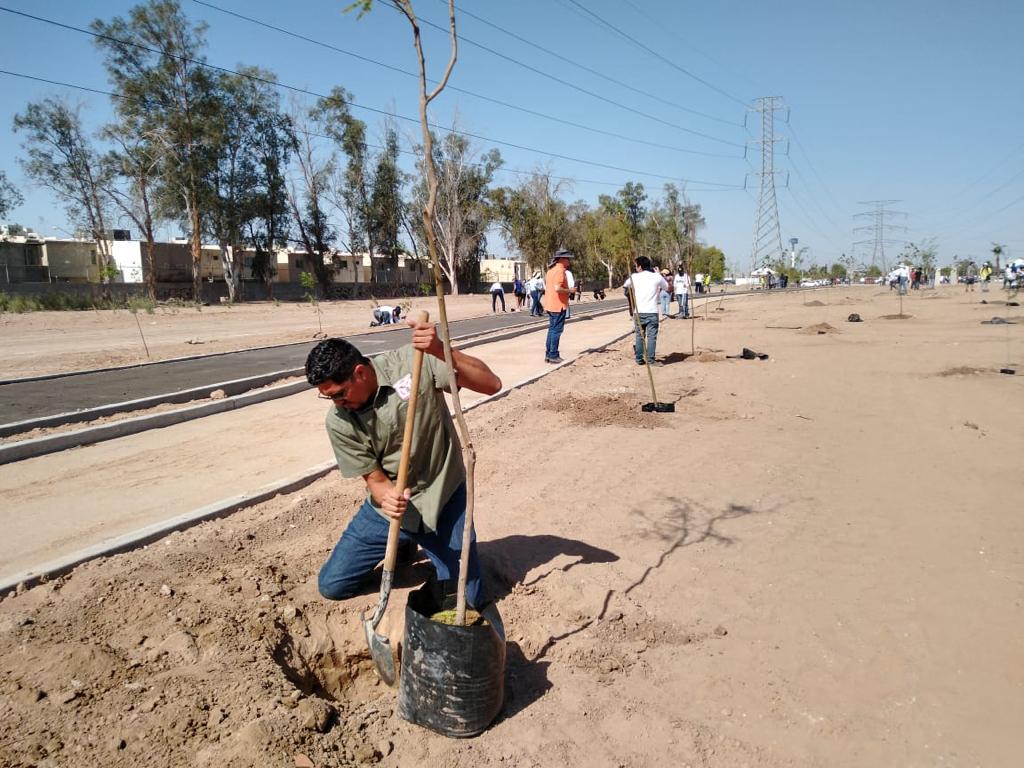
(507, 561)
(526, 680)
(675, 357)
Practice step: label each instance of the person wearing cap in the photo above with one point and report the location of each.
(365, 425)
(556, 302)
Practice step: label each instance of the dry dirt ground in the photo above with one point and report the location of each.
(815, 561)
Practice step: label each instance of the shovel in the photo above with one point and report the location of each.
(653, 407)
(380, 645)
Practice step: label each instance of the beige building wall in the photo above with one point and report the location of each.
(501, 270)
(72, 261)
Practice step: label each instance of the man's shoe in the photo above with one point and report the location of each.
(554, 360)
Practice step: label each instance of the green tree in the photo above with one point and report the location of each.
(10, 197)
(269, 225)
(233, 186)
(631, 200)
(308, 199)
(606, 242)
(131, 173)
(997, 251)
(386, 201)
(711, 261)
(60, 158)
(464, 205)
(533, 218)
(154, 60)
(351, 193)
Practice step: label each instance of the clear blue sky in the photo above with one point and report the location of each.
(914, 100)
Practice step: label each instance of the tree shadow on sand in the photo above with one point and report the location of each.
(685, 524)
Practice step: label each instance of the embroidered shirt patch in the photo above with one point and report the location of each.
(404, 386)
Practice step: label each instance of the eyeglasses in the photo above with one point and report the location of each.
(341, 394)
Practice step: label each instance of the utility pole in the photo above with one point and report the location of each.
(880, 226)
(767, 240)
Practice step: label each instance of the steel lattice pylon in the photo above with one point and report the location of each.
(879, 227)
(767, 240)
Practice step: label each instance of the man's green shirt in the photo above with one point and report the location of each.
(372, 437)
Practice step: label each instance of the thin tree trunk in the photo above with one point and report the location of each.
(468, 451)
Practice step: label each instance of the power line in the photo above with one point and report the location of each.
(695, 49)
(593, 71)
(657, 55)
(305, 91)
(481, 96)
(501, 169)
(824, 186)
(575, 87)
(814, 198)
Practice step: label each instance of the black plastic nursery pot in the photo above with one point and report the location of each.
(453, 678)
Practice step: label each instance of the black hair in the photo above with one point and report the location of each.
(332, 360)
(644, 263)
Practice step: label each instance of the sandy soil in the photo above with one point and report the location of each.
(815, 561)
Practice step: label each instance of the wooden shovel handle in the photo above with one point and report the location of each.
(395, 526)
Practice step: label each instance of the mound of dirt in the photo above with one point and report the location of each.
(814, 303)
(818, 329)
(706, 357)
(895, 317)
(963, 370)
(607, 410)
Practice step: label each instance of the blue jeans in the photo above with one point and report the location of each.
(649, 325)
(364, 541)
(665, 298)
(556, 324)
(535, 304)
(683, 300)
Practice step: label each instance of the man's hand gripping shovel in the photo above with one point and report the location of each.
(380, 645)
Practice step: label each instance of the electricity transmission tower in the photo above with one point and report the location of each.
(767, 240)
(880, 226)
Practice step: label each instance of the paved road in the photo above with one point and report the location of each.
(21, 401)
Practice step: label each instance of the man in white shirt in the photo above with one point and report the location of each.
(698, 282)
(385, 315)
(497, 293)
(646, 285)
(682, 289)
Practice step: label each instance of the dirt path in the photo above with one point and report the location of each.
(814, 562)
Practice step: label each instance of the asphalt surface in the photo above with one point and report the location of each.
(22, 401)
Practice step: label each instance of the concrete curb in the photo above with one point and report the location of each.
(40, 446)
(233, 387)
(26, 449)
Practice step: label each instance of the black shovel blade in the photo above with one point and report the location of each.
(658, 407)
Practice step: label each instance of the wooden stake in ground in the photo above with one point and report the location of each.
(141, 335)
